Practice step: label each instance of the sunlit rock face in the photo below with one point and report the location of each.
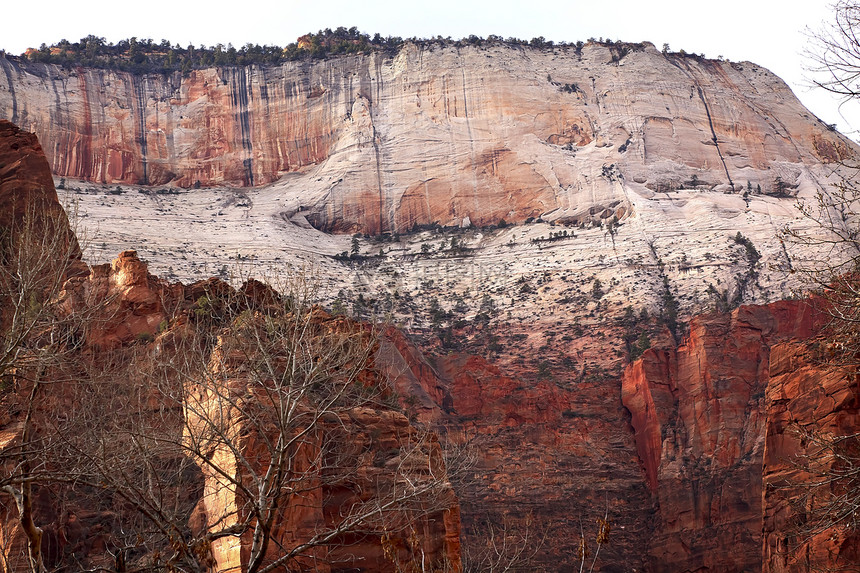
(382, 142)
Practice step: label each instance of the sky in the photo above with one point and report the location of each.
(771, 33)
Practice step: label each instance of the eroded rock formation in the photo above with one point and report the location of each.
(700, 415)
(382, 142)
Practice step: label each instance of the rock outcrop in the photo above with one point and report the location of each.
(699, 415)
(810, 404)
(28, 200)
(443, 134)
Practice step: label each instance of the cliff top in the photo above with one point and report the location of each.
(142, 56)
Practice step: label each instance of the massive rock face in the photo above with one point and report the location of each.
(700, 415)
(433, 134)
(710, 425)
(674, 446)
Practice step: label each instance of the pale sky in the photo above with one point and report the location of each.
(770, 33)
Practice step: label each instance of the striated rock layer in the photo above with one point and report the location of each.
(379, 143)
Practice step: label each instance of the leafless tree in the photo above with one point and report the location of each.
(830, 492)
(601, 538)
(503, 547)
(834, 52)
(271, 411)
(38, 251)
(255, 430)
(828, 248)
(823, 488)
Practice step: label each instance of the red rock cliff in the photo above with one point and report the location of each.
(699, 415)
(808, 403)
(27, 188)
(545, 453)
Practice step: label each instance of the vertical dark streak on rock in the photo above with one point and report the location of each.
(58, 127)
(4, 63)
(270, 155)
(376, 150)
(714, 136)
(471, 137)
(239, 98)
(140, 116)
(382, 208)
(170, 93)
(85, 154)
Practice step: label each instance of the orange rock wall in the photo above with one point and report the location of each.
(808, 396)
(699, 417)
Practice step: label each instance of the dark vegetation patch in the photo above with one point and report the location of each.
(146, 56)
